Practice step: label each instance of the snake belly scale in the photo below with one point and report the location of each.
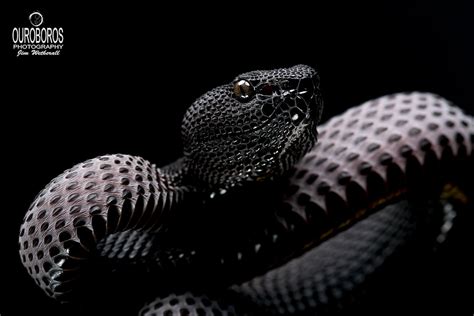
(366, 170)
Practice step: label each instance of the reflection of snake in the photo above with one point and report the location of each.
(215, 213)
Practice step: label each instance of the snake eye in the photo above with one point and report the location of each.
(243, 90)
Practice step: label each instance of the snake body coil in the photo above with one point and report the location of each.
(254, 131)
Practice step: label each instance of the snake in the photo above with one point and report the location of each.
(266, 212)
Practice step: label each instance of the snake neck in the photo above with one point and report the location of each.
(177, 175)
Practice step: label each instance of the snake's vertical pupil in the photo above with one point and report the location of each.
(243, 90)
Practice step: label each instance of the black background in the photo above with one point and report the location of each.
(127, 74)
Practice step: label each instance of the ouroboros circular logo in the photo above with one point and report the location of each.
(37, 40)
(36, 19)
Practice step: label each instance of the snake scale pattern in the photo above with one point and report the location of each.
(296, 216)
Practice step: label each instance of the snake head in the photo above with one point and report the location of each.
(254, 128)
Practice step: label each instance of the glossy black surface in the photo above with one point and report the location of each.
(127, 74)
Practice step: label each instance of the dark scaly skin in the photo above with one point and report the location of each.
(425, 145)
(375, 153)
(201, 168)
(424, 151)
(324, 277)
(124, 203)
